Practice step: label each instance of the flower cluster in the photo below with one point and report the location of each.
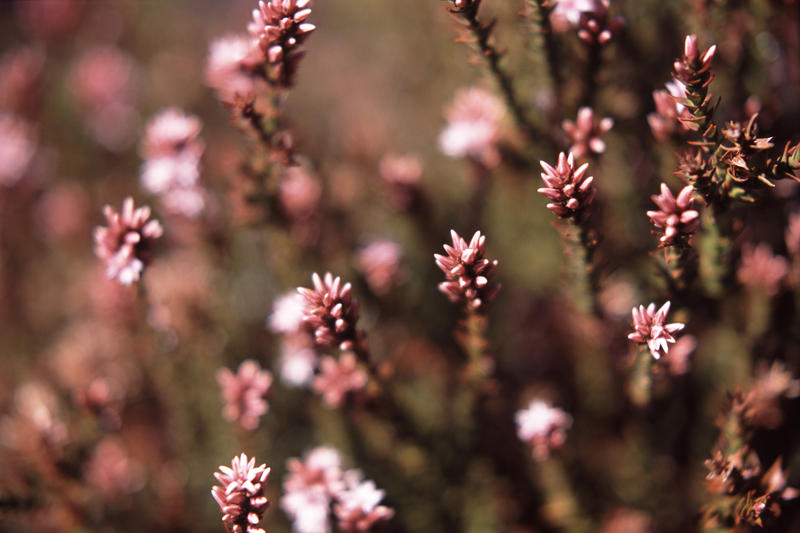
(241, 496)
(649, 328)
(280, 27)
(586, 133)
(126, 244)
(233, 69)
(332, 313)
(244, 393)
(473, 126)
(339, 377)
(676, 216)
(467, 271)
(543, 427)
(298, 358)
(760, 269)
(172, 150)
(569, 189)
(380, 264)
(693, 71)
(313, 485)
(595, 26)
(669, 111)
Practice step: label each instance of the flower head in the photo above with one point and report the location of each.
(543, 427)
(568, 188)
(649, 328)
(232, 68)
(331, 312)
(126, 244)
(244, 392)
(676, 216)
(693, 67)
(586, 132)
(280, 28)
(357, 506)
(473, 126)
(337, 378)
(761, 269)
(380, 264)
(669, 110)
(309, 487)
(467, 271)
(241, 496)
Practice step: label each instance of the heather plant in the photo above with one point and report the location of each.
(280, 229)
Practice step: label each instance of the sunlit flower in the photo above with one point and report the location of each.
(676, 216)
(338, 378)
(543, 427)
(241, 497)
(467, 271)
(473, 126)
(568, 188)
(649, 328)
(586, 133)
(357, 507)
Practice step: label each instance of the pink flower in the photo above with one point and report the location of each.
(287, 314)
(402, 175)
(172, 150)
(676, 216)
(299, 192)
(792, 235)
(17, 148)
(678, 357)
(298, 360)
(244, 393)
(241, 496)
(595, 26)
(760, 269)
(331, 312)
(357, 506)
(21, 70)
(126, 244)
(585, 133)
(380, 264)
(669, 110)
(467, 271)
(111, 472)
(280, 28)
(569, 190)
(692, 66)
(473, 126)
(543, 427)
(232, 68)
(649, 328)
(337, 378)
(309, 488)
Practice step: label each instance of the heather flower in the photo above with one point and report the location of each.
(280, 28)
(357, 508)
(467, 271)
(586, 133)
(298, 361)
(568, 12)
(543, 427)
(309, 488)
(595, 26)
(337, 378)
(649, 328)
(244, 393)
(111, 472)
(676, 216)
(692, 69)
(569, 190)
(105, 82)
(287, 314)
(232, 68)
(402, 175)
(17, 148)
(380, 264)
(331, 312)
(126, 244)
(172, 150)
(473, 126)
(668, 110)
(241, 496)
(299, 193)
(760, 269)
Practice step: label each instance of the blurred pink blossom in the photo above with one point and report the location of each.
(287, 314)
(21, 71)
(473, 126)
(309, 488)
(126, 244)
(17, 148)
(337, 378)
(649, 328)
(402, 175)
(669, 110)
(300, 193)
(543, 427)
(232, 68)
(244, 393)
(298, 360)
(111, 473)
(356, 506)
(760, 269)
(586, 133)
(380, 264)
(678, 356)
